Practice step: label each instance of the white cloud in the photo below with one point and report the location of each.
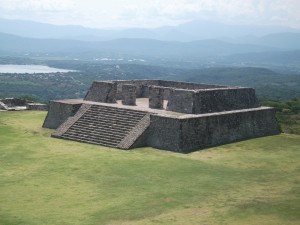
(37, 5)
(145, 13)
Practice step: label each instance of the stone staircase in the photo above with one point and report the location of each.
(3, 106)
(104, 125)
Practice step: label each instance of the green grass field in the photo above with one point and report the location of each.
(47, 181)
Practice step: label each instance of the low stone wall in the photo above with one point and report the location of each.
(225, 99)
(59, 112)
(37, 106)
(187, 85)
(142, 86)
(191, 133)
(12, 102)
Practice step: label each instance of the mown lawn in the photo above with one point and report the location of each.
(47, 181)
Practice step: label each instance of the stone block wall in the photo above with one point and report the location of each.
(58, 113)
(191, 133)
(128, 94)
(222, 128)
(101, 91)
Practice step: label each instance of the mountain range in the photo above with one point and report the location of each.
(194, 43)
(190, 31)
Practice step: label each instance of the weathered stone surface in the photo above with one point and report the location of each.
(156, 97)
(101, 91)
(128, 94)
(59, 112)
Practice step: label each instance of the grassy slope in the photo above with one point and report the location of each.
(51, 181)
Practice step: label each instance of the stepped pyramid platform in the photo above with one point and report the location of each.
(169, 115)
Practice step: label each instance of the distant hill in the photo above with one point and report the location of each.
(190, 31)
(287, 40)
(270, 57)
(133, 47)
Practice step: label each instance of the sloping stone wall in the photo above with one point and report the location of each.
(58, 113)
(3, 106)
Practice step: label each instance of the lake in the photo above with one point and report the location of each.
(31, 69)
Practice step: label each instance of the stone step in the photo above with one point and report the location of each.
(115, 109)
(97, 132)
(109, 139)
(103, 126)
(115, 117)
(108, 144)
(123, 122)
(114, 114)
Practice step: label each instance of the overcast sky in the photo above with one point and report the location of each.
(152, 13)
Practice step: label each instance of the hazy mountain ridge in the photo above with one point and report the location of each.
(134, 47)
(194, 30)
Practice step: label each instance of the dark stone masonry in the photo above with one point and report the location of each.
(175, 116)
(128, 94)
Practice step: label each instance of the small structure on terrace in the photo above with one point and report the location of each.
(16, 104)
(175, 116)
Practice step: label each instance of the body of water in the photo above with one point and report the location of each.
(31, 69)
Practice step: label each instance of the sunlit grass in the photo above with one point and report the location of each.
(51, 181)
